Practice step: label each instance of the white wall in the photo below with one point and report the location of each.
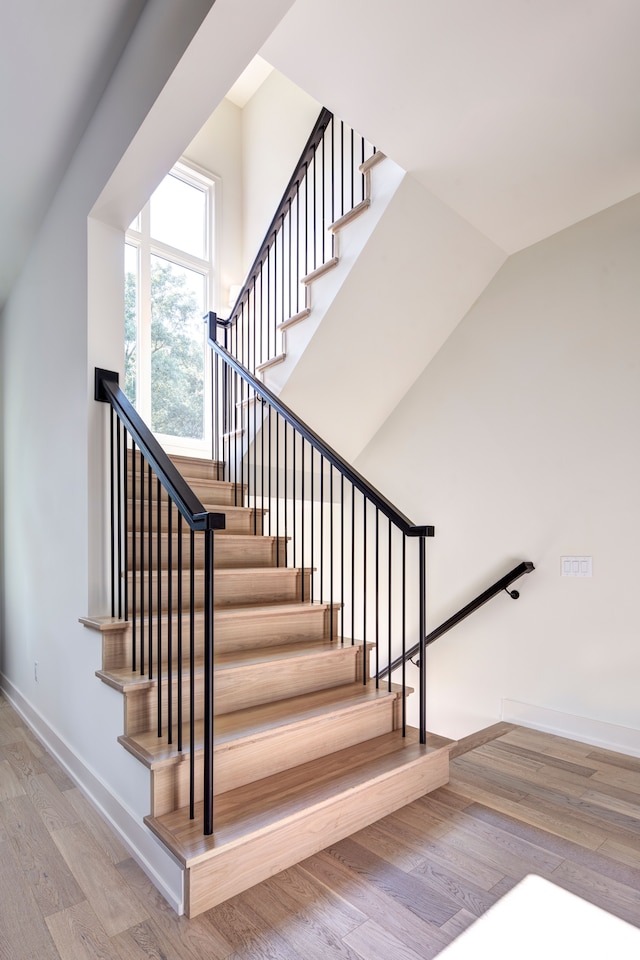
(60, 321)
(519, 441)
(218, 148)
(418, 274)
(276, 123)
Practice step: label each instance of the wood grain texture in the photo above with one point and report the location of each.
(353, 900)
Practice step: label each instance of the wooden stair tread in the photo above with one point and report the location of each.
(320, 271)
(349, 216)
(256, 722)
(285, 651)
(124, 679)
(259, 807)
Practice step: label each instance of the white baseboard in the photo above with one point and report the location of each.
(164, 872)
(598, 733)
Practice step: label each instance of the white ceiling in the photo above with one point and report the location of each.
(55, 58)
(522, 115)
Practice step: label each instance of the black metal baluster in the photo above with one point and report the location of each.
(404, 637)
(353, 171)
(125, 526)
(192, 674)
(254, 325)
(331, 553)
(262, 469)
(341, 167)
(377, 595)
(208, 681)
(255, 465)
(302, 516)
(306, 219)
(321, 564)
(159, 601)
(134, 562)
(353, 564)
(342, 556)
(170, 620)
(119, 513)
(290, 294)
(141, 564)
(423, 625)
(150, 580)
(313, 510)
(323, 224)
(269, 473)
(315, 205)
(180, 671)
(294, 501)
(333, 187)
(277, 475)
(298, 249)
(390, 595)
(112, 479)
(364, 588)
(286, 502)
(269, 304)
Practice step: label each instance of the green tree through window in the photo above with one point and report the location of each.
(164, 341)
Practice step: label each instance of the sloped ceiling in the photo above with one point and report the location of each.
(521, 115)
(56, 57)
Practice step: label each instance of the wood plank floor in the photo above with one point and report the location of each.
(522, 802)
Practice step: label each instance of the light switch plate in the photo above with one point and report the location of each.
(576, 566)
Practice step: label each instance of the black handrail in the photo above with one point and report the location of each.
(350, 473)
(108, 390)
(525, 567)
(321, 124)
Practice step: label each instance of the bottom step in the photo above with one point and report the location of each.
(266, 826)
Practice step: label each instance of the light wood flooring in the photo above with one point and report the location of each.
(522, 802)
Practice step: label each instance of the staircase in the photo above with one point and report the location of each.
(307, 749)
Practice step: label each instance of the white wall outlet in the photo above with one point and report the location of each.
(35, 670)
(576, 566)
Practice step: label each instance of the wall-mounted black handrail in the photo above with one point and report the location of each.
(108, 390)
(525, 567)
(321, 124)
(350, 473)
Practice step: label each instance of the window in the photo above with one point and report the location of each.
(169, 282)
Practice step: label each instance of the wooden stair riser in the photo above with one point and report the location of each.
(268, 681)
(246, 629)
(255, 758)
(231, 587)
(242, 520)
(236, 867)
(245, 685)
(207, 491)
(189, 467)
(242, 629)
(229, 551)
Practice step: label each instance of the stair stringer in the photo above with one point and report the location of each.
(385, 178)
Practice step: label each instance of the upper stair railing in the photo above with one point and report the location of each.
(327, 184)
(152, 585)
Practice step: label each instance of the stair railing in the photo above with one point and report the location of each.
(496, 588)
(326, 184)
(356, 553)
(145, 581)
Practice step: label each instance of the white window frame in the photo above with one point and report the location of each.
(146, 247)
